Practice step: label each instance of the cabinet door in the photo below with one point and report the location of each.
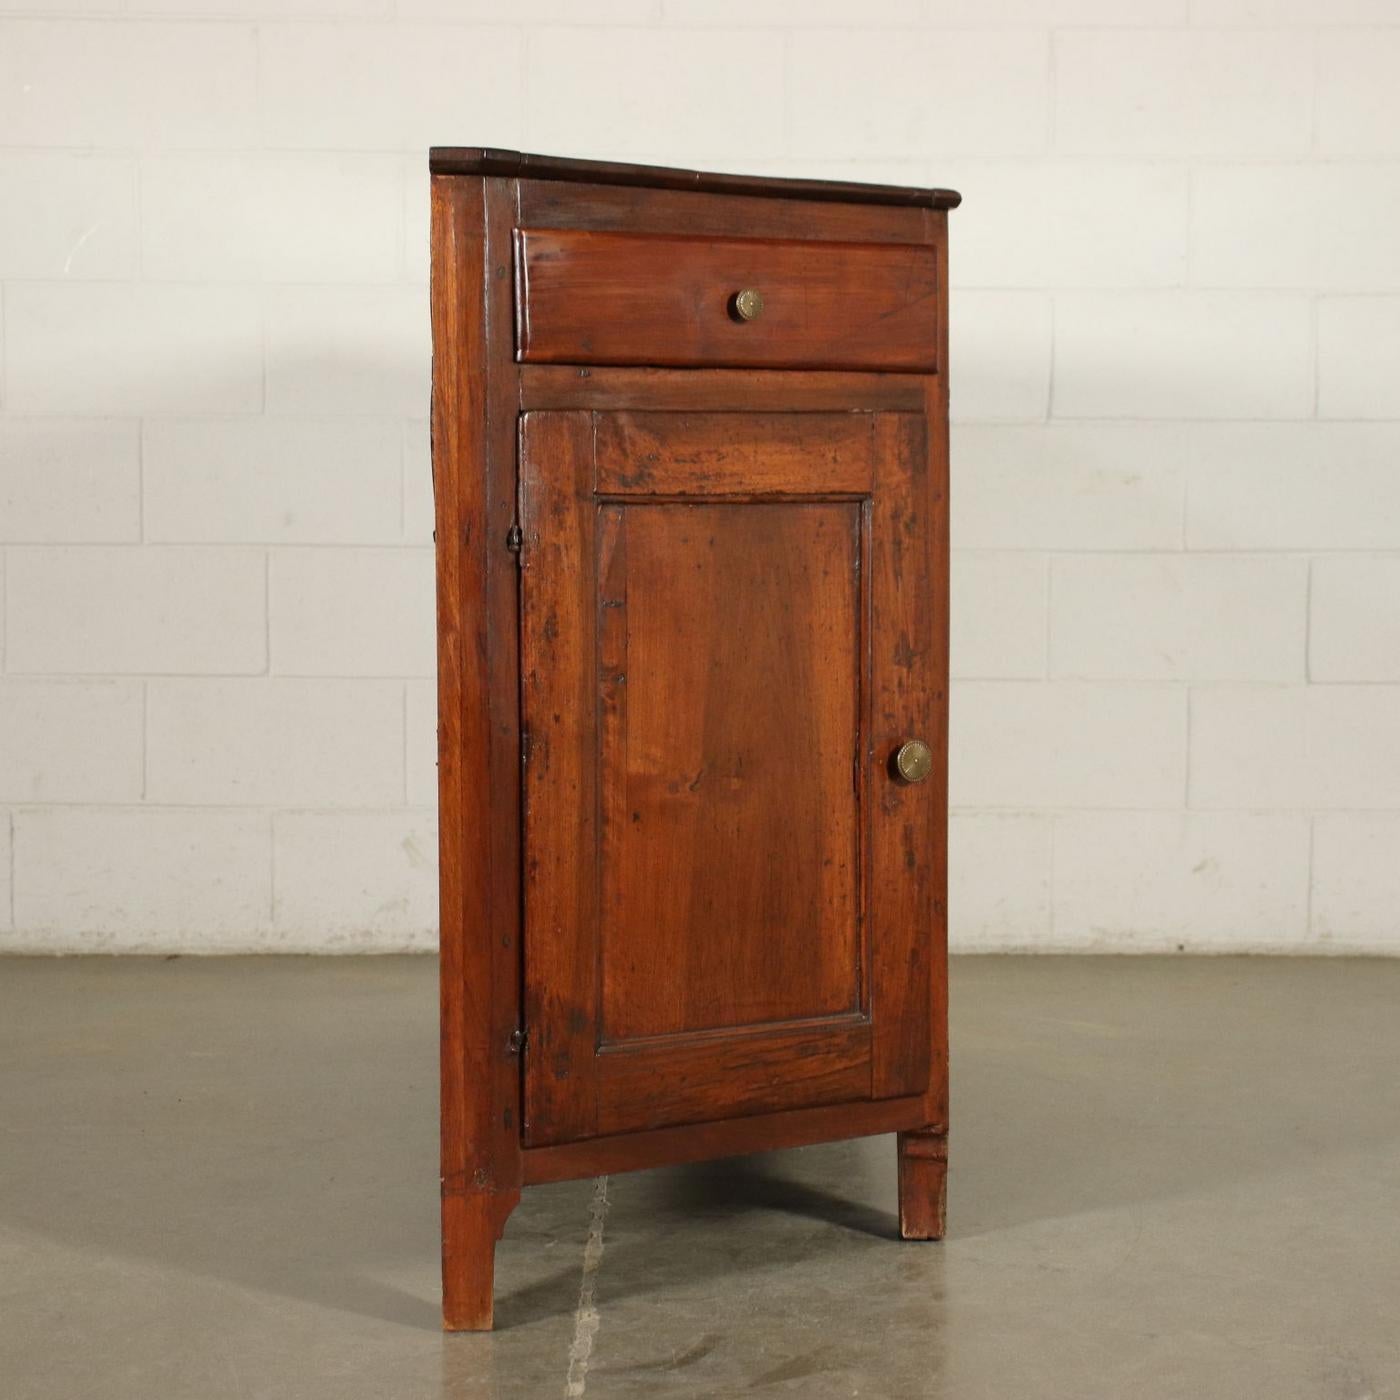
(730, 623)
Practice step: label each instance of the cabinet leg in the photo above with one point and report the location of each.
(923, 1184)
(471, 1225)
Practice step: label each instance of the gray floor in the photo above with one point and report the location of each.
(1170, 1178)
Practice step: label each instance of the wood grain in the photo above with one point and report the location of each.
(485, 160)
(903, 665)
(763, 1132)
(585, 297)
(480, 1143)
(551, 204)
(730, 857)
(740, 454)
(675, 866)
(559, 707)
(923, 1185)
(717, 390)
(706, 1078)
(693, 682)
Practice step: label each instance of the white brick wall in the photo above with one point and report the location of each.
(1176, 393)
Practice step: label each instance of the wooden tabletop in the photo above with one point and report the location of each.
(482, 160)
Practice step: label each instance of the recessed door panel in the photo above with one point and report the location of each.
(723, 647)
(730, 685)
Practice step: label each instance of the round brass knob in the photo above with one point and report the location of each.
(913, 760)
(748, 304)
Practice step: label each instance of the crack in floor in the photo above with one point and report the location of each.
(586, 1318)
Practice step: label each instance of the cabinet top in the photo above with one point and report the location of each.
(482, 160)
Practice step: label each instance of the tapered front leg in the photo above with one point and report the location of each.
(471, 1225)
(923, 1184)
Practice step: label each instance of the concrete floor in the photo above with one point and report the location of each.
(1170, 1178)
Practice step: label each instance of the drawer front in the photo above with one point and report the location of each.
(656, 299)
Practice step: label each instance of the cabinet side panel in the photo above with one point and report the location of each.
(478, 976)
(938, 504)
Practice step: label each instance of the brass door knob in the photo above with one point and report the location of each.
(748, 304)
(913, 760)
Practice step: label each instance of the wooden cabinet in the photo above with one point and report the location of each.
(690, 465)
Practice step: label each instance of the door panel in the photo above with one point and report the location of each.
(722, 645)
(730, 685)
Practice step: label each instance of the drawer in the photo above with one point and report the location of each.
(657, 299)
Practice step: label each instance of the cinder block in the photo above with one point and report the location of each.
(1068, 486)
(68, 480)
(1321, 747)
(1304, 486)
(272, 217)
(1183, 93)
(1096, 224)
(276, 9)
(273, 480)
(626, 93)
(998, 881)
(596, 12)
(352, 612)
(118, 348)
(1001, 346)
(1358, 99)
(1176, 617)
(780, 14)
(68, 215)
(421, 703)
(1356, 208)
(931, 93)
(1026, 744)
(401, 87)
(998, 616)
(136, 610)
(417, 217)
(1038, 14)
(1254, 226)
(1183, 355)
(355, 881)
(279, 742)
(1335, 233)
(1354, 633)
(1356, 880)
(1234, 881)
(131, 85)
(418, 502)
(348, 351)
(70, 741)
(1280, 13)
(6, 864)
(140, 879)
(1358, 357)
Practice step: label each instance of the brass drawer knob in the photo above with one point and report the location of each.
(748, 304)
(913, 760)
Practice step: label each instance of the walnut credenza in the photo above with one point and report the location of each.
(690, 455)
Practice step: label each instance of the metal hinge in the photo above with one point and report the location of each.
(516, 1043)
(515, 538)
